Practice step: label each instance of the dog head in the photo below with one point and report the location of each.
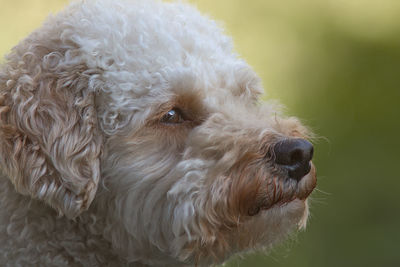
(149, 100)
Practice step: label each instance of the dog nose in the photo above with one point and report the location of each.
(294, 155)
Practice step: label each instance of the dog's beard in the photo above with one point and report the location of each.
(212, 214)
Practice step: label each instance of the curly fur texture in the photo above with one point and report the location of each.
(93, 174)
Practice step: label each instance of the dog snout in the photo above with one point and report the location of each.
(294, 155)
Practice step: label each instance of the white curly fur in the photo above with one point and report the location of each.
(82, 102)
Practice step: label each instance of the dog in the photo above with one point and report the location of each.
(131, 134)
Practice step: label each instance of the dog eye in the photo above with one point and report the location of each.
(174, 116)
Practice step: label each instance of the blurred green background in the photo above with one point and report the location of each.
(335, 64)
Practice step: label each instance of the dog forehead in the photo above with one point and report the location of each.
(146, 45)
(143, 33)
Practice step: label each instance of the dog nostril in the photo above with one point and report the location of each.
(294, 155)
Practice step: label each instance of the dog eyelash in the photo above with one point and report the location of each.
(174, 116)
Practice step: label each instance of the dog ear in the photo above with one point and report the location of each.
(49, 139)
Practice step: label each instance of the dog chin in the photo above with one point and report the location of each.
(284, 220)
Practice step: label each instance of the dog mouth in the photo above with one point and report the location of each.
(278, 191)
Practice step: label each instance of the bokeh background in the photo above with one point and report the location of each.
(336, 65)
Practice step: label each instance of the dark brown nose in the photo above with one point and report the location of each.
(294, 155)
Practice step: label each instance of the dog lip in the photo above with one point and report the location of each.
(257, 209)
(307, 183)
(303, 189)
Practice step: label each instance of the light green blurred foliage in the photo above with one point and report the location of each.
(19, 17)
(335, 64)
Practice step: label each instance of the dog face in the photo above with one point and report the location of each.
(149, 100)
